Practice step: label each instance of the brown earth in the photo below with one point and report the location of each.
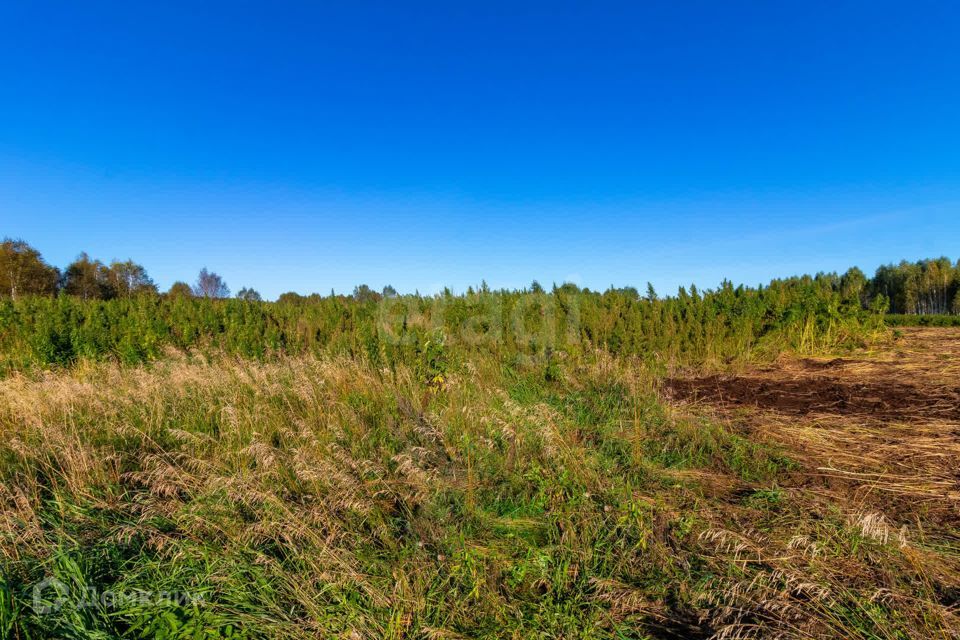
(880, 427)
(881, 399)
(918, 377)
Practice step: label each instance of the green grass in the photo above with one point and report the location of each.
(327, 497)
(225, 469)
(927, 320)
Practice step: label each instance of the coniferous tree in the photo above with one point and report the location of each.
(651, 293)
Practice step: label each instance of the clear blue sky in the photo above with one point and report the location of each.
(315, 145)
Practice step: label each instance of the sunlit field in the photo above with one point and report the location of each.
(496, 465)
(479, 320)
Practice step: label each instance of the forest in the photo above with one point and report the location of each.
(924, 287)
(91, 310)
(96, 310)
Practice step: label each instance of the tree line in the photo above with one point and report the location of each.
(24, 272)
(98, 311)
(929, 286)
(919, 288)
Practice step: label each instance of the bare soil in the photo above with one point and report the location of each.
(880, 399)
(916, 378)
(879, 428)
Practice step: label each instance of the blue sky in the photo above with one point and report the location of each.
(310, 145)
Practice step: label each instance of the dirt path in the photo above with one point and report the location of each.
(883, 424)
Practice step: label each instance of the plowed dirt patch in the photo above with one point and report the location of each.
(916, 378)
(881, 399)
(877, 429)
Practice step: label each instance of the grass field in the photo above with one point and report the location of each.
(479, 321)
(309, 496)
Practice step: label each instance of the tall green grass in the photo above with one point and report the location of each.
(491, 465)
(332, 497)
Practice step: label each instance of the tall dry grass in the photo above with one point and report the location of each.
(314, 497)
